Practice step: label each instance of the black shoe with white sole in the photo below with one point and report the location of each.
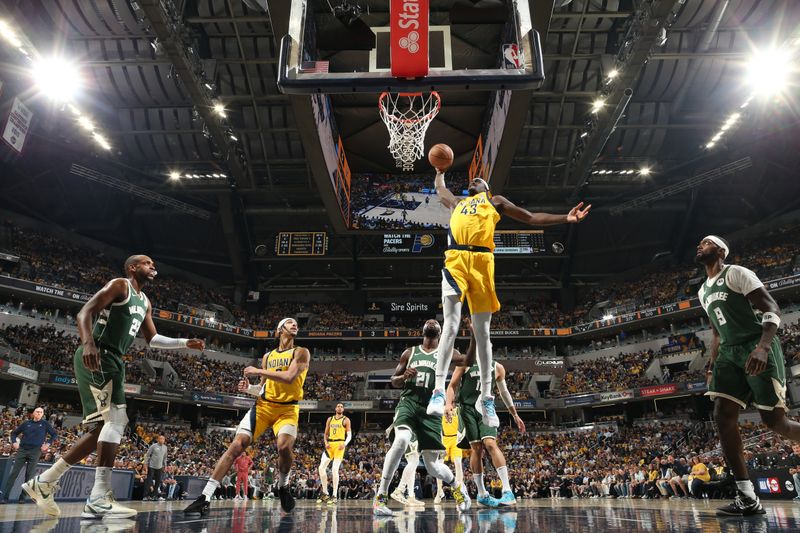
(743, 505)
(287, 500)
(198, 507)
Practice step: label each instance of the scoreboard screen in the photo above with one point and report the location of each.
(519, 242)
(301, 243)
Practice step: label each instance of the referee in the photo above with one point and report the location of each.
(29, 448)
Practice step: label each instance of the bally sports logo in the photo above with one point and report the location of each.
(408, 23)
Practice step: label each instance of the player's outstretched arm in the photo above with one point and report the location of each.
(402, 373)
(301, 360)
(447, 198)
(163, 342)
(507, 207)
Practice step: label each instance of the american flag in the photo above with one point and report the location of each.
(314, 67)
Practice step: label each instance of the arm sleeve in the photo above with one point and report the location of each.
(742, 280)
(504, 394)
(348, 438)
(167, 343)
(254, 390)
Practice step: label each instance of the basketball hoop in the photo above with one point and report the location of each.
(407, 117)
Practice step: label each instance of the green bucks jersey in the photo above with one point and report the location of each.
(470, 389)
(116, 327)
(729, 310)
(420, 388)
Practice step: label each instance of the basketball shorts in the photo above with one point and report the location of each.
(729, 380)
(265, 415)
(474, 428)
(451, 449)
(413, 446)
(428, 429)
(335, 449)
(470, 275)
(101, 388)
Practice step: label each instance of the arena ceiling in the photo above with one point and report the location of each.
(151, 99)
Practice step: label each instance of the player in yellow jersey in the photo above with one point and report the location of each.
(469, 273)
(451, 435)
(337, 435)
(278, 394)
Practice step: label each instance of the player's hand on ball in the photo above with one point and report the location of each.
(578, 213)
(243, 385)
(251, 371)
(196, 344)
(520, 424)
(410, 373)
(757, 362)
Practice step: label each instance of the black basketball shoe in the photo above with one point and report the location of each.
(742, 506)
(287, 500)
(198, 507)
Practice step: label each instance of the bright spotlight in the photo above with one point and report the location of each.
(597, 105)
(710, 144)
(57, 78)
(175, 175)
(608, 317)
(85, 123)
(219, 109)
(101, 141)
(768, 71)
(644, 171)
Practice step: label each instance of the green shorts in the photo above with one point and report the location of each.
(101, 388)
(474, 428)
(766, 391)
(428, 429)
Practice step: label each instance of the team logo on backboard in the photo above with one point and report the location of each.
(410, 43)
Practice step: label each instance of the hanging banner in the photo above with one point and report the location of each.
(19, 121)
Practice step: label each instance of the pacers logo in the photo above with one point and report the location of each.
(424, 240)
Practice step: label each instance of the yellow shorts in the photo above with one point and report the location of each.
(264, 415)
(470, 275)
(451, 449)
(335, 450)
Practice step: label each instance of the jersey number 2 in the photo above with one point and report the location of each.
(135, 325)
(720, 317)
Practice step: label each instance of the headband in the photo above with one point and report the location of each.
(484, 183)
(719, 242)
(284, 321)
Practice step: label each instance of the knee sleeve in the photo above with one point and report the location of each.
(116, 418)
(402, 438)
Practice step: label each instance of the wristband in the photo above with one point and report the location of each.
(771, 318)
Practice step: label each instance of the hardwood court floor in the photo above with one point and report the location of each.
(539, 516)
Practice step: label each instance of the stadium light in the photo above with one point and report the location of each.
(597, 105)
(644, 171)
(768, 70)
(710, 144)
(85, 123)
(101, 141)
(608, 317)
(219, 109)
(57, 78)
(174, 175)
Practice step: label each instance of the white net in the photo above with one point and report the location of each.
(407, 117)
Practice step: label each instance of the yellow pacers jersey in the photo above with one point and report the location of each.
(450, 429)
(336, 430)
(281, 392)
(473, 221)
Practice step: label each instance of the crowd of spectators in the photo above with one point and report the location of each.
(605, 374)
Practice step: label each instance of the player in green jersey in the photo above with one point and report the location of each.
(747, 363)
(416, 375)
(122, 309)
(465, 389)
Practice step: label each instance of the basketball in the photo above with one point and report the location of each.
(440, 156)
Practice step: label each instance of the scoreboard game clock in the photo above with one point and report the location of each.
(516, 242)
(301, 243)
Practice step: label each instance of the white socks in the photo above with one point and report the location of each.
(402, 437)
(210, 489)
(102, 482)
(283, 479)
(746, 486)
(483, 348)
(502, 473)
(451, 307)
(55, 472)
(479, 482)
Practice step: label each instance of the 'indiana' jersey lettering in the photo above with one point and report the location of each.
(729, 311)
(470, 389)
(473, 221)
(275, 391)
(117, 326)
(336, 430)
(420, 388)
